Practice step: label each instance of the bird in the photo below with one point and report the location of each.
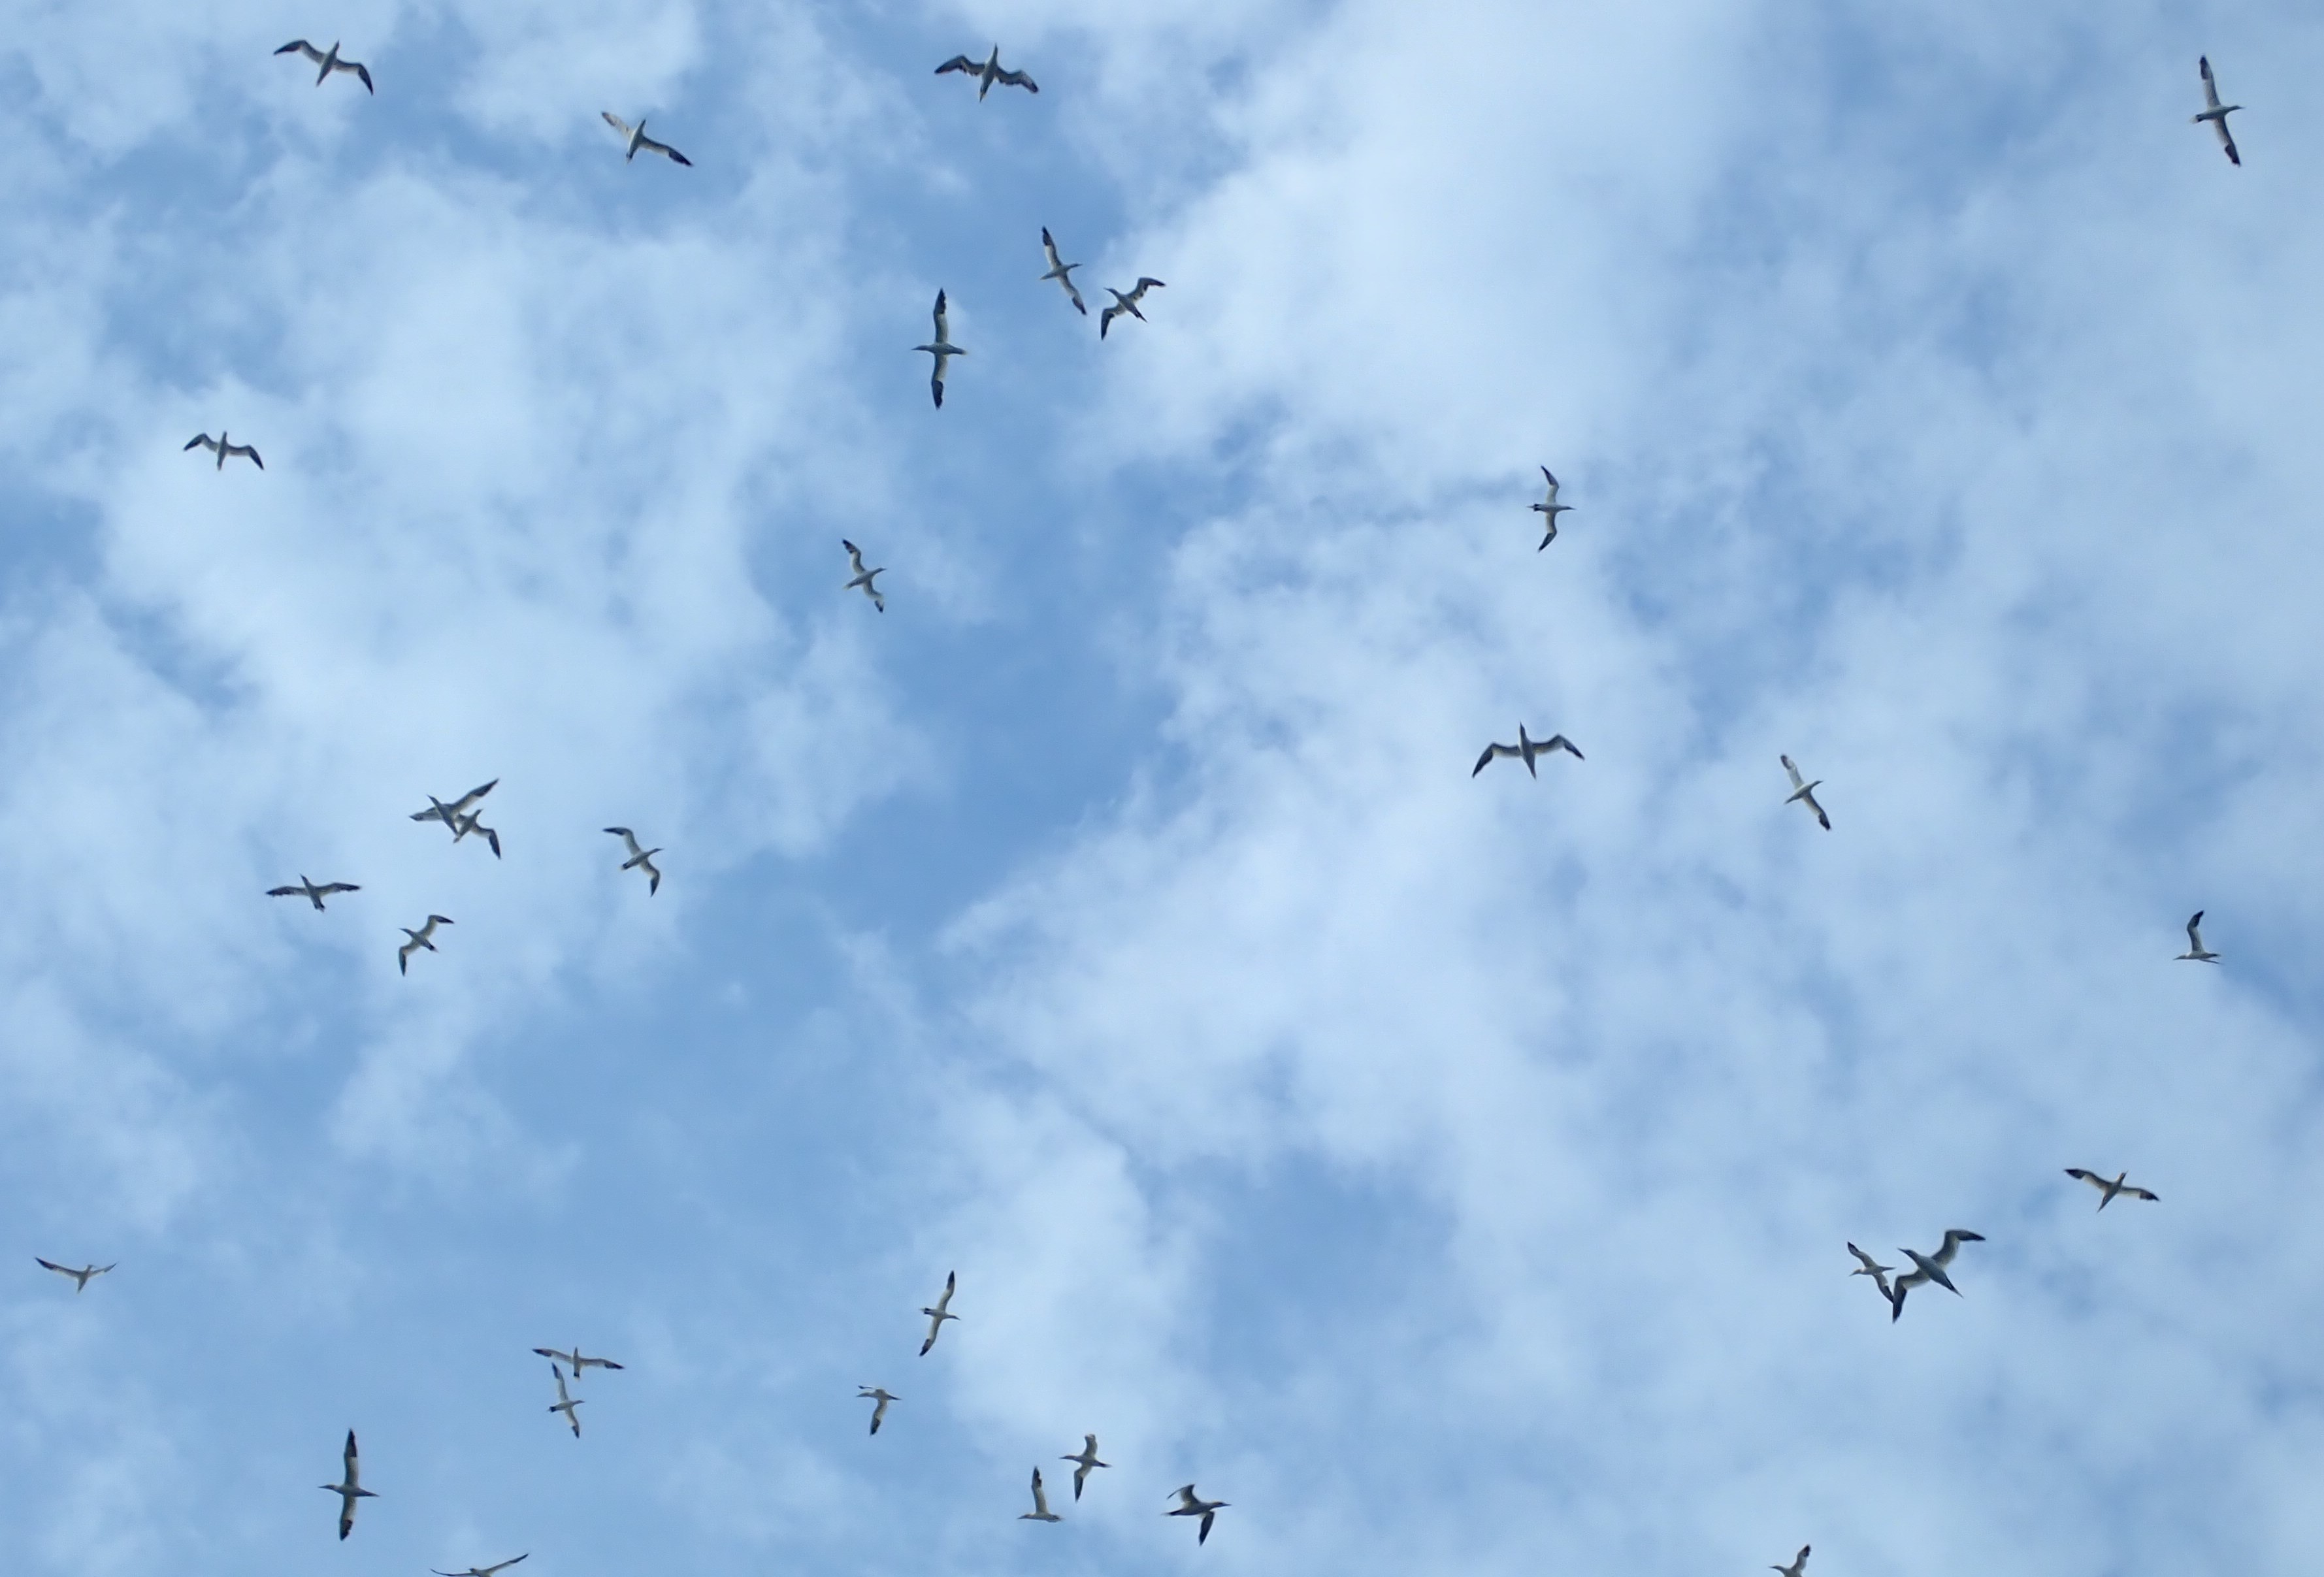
(880, 1399)
(473, 823)
(311, 892)
(482, 1571)
(1127, 303)
(1040, 1512)
(936, 1315)
(637, 139)
(1088, 1460)
(1799, 1563)
(2108, 1189)
(1866, 1266)
(1062, 272)
(1549, 508)
(202, 440)
(1526, 748)
(566, 1404)
(81, 1278)
(2195, 948)
(2216, 112)
(328, 60)
(944, 349)
(863, 577)
(1188, 1506)
(989, 73)
(642, 859)
(350, 1491)
(1806, 793)
(1927, 1268)
(419, 940)
(450, 815)
(576, 1361)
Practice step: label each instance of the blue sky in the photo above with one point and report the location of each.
(1452, 1174)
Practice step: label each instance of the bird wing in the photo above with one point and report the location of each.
(629, 837)
(347, 1460)
(2227, 141)
(944, 329)
(1105, 318)
(1487, 758)
(1137, 292)
(666, 151)
(1049, 248)
(854, 556)
(2092, 1178)
(2137, 1193)
(561, 1395)
(1798, 782)
(1040, 1495)
(199, 438)
(503, 1566)
(959, 63)
(1954, 1237)
(617, 123)
(1018, 79)
(300, 46)
(286, 892)
(2210, 85)
(2194, 931)
(361, 72)
(1558, 741)
(331, 887)
(1074, 291)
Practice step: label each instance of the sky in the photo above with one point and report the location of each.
(1450, 1173)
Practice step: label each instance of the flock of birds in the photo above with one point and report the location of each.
(461, 817)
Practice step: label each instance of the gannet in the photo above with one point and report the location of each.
(1549, 509)
(863, 577)
(1188, 1506)
(989, 73)
(1798, 1566)
(1128, 303)
(1040, 1512)
(880, 1399)
(203, 441)
(640, 859)
(2195, 948)
(419, 940)
(576, 1361)
(351, 1490)
(1088, 1460)
(1525, 748)
(473, 823)
(1866, 1266)
(565, 1403)
(81, 1278)
(311, 892)
(450, 815)
(636, 137)
(936, 1315)
(2108, 1188)
(1930, 1268)
(1806, 792)
(1062, 272)
(2216, 112)
(328, 60)
(944, 350)
(482, 1571)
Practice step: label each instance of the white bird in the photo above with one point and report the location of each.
(2216, 112)
(863, 577)
(936, 1315)
(1190, 1506)
(1927, 1268)
(1087, 1460)
(328, 60)
(565, 1403)
(1062, 272)
(450, 815)
(1867, 1266)
(944, 349)
(419, 940)
(351, 1489)
(2108, 1189)
(312, 892)
(640, 859)
(1525, 748)
(473, 823)
(1806, 793)
(576, 1361)
(636, 138)
(879, 1399)
(1127, 303)
(2195, 948)
(989, 73)
(1549, 508)
(482, 1571)
(81, 1278)
(1040, 1512)
(202, 440)
(1798, 1566)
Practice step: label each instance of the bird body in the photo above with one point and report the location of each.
(81, 1278)
(635, 138)
(225, 449)
(2216, 112)
(349, 1490)
(1927, 1268)
(1040, 1512)
(863, 577)
(1190, 1504)
(2196, 951)
(1549, 508)
(640, 859)
(1799, 1565)
(482, 1571)
(1062, 272)
(1805, 793)
(329, 61)
(420, 938)
(1086, 1461)
(472, 823)
(879, 1399)
(565, 1403)
(1127, 302)
(312, 892)
(942, 349)
(1525, 748)
(989, 73)
(2109, 1189)
(937, 1316)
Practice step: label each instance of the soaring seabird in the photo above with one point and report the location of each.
(640, 859)
(2195, 948)
(450, 815)
(328, 60)
(202, 440)
(81, 1278)
(863, 577)
(1087, 1460)
(989, 73)
(1526, 748)
(565, 1403)
(2108, 1188)
(879, 1399)
(574, 1359)
(1799, 1563)
(351, 1490)
(482, 1571)
(936, 1315)
(1930, 1268)
(1866, 1266)
(1127, 303)
(1040, 1512)
(1806, 792)
(310, 891)
(635, 135)
(1062, 272)
(2216, 112)
(1189, 1505)
(944, 349)
(473, 823)
(419, 940)
(1549, 508)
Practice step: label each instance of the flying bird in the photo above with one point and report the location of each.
(574, 1359)
(1806, 793)
(81, 1278)
(2109, 1188)
(351, 1490)
(419, 940)
(1525, 748)
(450, 815)
(635, 137)
(328, 60)
(863, 577)
(1040, 1512)
(1127, 303)
(990, 72)
(1087, 1460)
(944, 349)
(640, 859)
(565, 1403)
(2216, 112)
(1799, 1563)
(880, 1399)
(473, 823)
(1189, 1505)
(1866, 1266)
(2195, 948)
(202, 440)
(1549, 508)
(1062, 272)
(936, 1315)
(1927, 1268)
(311, 892)
(482, 1571)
